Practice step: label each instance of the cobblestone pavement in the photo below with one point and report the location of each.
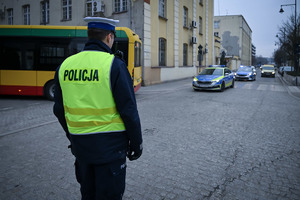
(243, 143)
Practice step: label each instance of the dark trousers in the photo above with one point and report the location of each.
(101, 182)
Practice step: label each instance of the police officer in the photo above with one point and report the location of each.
(96, 106)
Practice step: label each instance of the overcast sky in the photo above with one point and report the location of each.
(262, 16)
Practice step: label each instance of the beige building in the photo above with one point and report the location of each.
(236, 39)
(171, 30)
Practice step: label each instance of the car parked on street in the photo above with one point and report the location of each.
(280, 70)
(285, 69)
(214, 77)
(245, 73)
(268, 70)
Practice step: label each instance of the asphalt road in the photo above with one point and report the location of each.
(243, 143)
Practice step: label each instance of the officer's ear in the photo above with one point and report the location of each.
(112, 36)
(109, 40)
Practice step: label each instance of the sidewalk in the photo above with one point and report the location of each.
(289, 82)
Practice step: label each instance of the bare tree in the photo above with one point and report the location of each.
(289, 41)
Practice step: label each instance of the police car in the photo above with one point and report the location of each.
(214, 77)
(245, 73)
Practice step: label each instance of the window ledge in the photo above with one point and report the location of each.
(185, 66)
(162, 66)
(124, 11)
(65, 20)
(163, 18)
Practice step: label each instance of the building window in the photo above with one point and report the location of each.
(200, 25)
(89, 8)
(185, 54)
(162, 52)
(26, 14)
(67, 9)
(45, 12)
(185, 17)
(120, 5)
(162, 8)
(10, 16)
(216, 24)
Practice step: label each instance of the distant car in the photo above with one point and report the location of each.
(285, 69)
(215, 77)
(245, 73)
(280, 70)
(267, 70)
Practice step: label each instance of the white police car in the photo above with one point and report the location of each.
(214, 77)
(245, 73)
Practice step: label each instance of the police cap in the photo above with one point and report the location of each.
(101, 23)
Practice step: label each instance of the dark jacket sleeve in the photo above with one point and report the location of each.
(124, 96)
(58, 108)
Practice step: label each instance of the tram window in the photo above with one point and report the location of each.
(10, 54)
(10, 58)
(77, 45)
(52, 52)
(51, 57)
(29, 59)
(137, 54)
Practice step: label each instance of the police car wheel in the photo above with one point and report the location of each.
(232, 85)
(222, 87)
(49, 90)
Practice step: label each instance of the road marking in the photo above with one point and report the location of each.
(277, 88)
(27, 128)
(248, 86)
(262, 87)
(7, 108)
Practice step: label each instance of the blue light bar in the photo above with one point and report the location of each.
(217, 66)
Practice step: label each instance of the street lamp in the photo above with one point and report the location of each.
(295, 44)
(281, 10)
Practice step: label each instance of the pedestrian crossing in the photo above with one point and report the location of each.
(263, 87)
(266, 87)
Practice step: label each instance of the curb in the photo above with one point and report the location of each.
(286, 85)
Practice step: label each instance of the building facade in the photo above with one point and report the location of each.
(171, 30)
(236, 37)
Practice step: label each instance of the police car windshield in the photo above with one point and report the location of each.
(212, 72)
(244, 69)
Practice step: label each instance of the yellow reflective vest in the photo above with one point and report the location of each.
(87, 97)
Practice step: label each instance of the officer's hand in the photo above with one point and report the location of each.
(134, 154)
